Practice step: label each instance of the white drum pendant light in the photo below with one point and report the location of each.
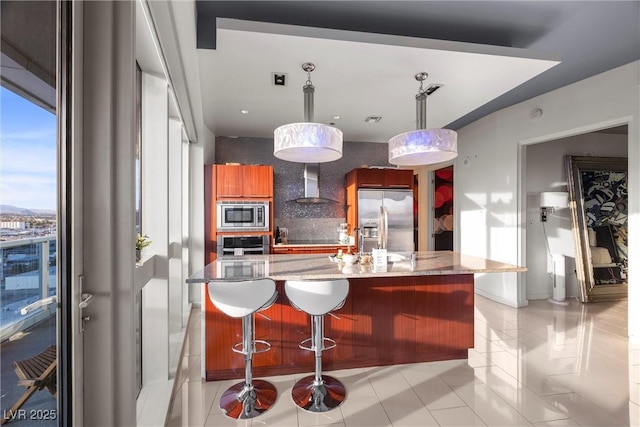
(307, 142)
(423, 146)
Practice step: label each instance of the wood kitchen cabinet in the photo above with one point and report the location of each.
(234, 182)
(372, 178)
(381, 178)
(244, 182)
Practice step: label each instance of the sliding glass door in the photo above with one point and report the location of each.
(34, 287)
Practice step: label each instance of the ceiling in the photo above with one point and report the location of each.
(488, 56)
(28, 58)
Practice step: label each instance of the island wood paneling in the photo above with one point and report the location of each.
(390, 320)
(224, 331)
(311, 249)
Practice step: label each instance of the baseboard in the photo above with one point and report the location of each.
(501, 300)
(539, 296)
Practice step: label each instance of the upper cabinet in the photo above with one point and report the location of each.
(244, 182)
(380, 178)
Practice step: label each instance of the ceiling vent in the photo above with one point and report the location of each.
(373, 119)
(432, 88)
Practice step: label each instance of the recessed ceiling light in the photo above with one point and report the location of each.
(336, 117)
(244, 111)
(373, 119)
(536, 114)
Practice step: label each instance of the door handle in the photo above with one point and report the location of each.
(85, 299)
(40, 303)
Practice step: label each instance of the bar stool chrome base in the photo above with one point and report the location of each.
(243, 402)
(308, 394)
(242, 299)
(317, 393)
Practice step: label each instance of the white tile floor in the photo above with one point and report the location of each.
(542, 365)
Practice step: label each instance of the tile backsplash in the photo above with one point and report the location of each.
(311, 229)
(304, 221)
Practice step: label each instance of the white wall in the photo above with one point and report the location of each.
(103, 213)
(545, 171)
(490, 189)
(176, 282)
(196, 212)
(103, 165)
(185, 206)
(175, 22)
(155, 220)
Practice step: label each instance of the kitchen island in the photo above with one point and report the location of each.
(404, 312)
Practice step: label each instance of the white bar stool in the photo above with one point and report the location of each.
(317, 393)
(243, 299)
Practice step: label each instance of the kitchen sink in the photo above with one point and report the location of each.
(396, 257)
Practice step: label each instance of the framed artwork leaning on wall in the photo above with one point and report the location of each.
(598, 202)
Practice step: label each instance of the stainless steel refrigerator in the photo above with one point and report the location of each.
(385, 218)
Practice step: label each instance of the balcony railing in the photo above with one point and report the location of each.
(28, 275)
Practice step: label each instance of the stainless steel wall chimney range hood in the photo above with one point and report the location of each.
(311, 189)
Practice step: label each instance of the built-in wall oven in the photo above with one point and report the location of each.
(232, 267)
(242, 245)
(242, 216)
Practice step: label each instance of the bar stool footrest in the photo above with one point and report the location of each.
(259, 346)
(331, 344)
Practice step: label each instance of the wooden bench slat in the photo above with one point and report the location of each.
(43, 378)
(27, 367)
(34, 362)
(36, 373)
(34, 367)
(29, 370)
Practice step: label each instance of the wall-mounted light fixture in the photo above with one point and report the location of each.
(550, 201)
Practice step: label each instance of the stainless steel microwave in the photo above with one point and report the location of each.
(242, 216)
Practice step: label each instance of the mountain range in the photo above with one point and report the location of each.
(15, 210)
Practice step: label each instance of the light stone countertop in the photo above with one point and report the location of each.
(312, 245)
(320, 266)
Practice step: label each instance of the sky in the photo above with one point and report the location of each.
(27, 153)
